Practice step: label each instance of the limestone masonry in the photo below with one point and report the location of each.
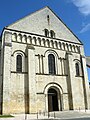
(43, 66)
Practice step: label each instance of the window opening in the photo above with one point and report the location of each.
(51, 63)
(77, 69)
(19, 63)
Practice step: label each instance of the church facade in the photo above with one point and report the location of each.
(43, 66)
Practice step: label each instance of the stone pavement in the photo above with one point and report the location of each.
(71, 114)
(61, 115)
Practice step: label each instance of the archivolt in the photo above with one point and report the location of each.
(52, 84)
(18, 52)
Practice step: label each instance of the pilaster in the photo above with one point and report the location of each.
(70, 79)
(6, 72)
(85, 83)
(31, 79)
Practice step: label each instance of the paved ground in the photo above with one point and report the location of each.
(65, 115)
(71, 114)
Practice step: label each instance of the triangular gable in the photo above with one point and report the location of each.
(37, 22)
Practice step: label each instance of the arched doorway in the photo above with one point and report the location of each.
(52, 100)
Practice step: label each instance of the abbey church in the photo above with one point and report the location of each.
(43, 66)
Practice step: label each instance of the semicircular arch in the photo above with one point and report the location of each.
(19, 51)
(50, 51)
(52, 85)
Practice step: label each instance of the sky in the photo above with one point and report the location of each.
(74, 13)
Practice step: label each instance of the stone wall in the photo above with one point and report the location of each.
(27, 91)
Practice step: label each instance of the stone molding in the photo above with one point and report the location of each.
(42, 41)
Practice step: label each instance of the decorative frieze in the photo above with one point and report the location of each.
(43, 41)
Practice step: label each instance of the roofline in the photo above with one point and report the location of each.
(41, 35)
(54, 14)
(27, 15)
(65, 25)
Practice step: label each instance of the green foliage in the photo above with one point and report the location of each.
(5, 116)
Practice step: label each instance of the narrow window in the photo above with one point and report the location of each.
(51, 64)
(77, 69)
(19, 63)
(47, 16)
(46, 33)
(48, 19)
(52, 34)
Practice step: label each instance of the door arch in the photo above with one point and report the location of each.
(57, 89)
(52, 100)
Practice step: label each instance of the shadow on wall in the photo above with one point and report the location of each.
(26, 89)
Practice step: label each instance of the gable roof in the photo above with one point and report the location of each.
(65, 24)
(27, 16)
(24, 28)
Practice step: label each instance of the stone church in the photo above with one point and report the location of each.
(43, 66)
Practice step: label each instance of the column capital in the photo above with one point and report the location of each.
(68, 53)
(8, 44)
(30, 47)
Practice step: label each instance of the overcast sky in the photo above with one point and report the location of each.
(74, 13)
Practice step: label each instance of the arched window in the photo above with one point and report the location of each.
(46, 33)
(51, 64)
(19, 63)
(77, 69)
(52, 34)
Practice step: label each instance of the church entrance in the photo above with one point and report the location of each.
(52, 100)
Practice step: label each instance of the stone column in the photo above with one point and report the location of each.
(85, 83)
(59, 67)
(42, 64)
(39, 63)
(31, 79)
(6, 72)
(63, 66)
(70, 79)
